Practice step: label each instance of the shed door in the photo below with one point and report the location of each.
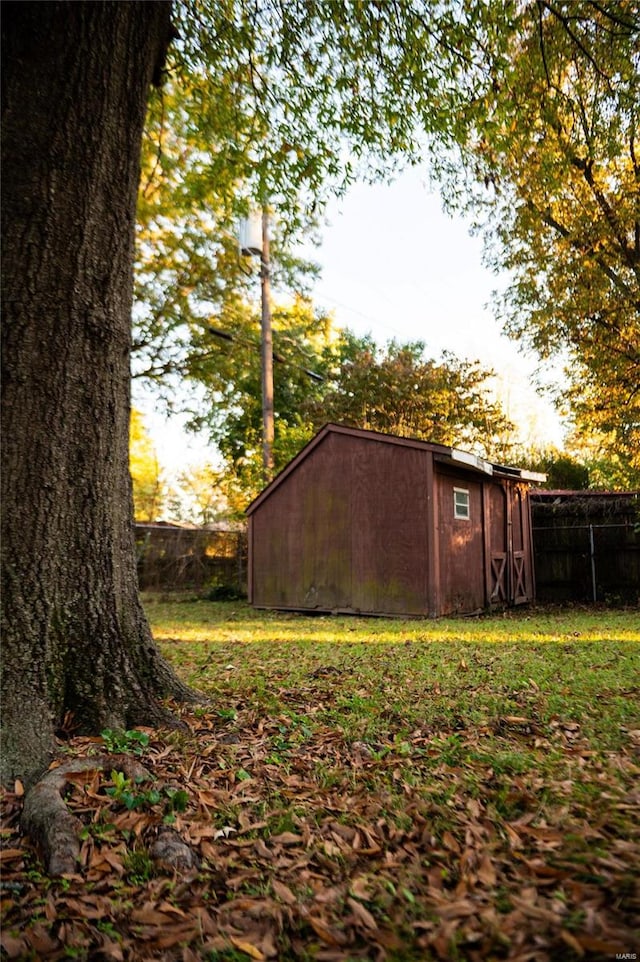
(499, 561)
(519, 529)
(509, 576)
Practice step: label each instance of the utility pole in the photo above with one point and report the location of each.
(267, 354)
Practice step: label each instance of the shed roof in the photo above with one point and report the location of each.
(441, 452)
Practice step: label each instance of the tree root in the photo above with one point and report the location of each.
(48, 822)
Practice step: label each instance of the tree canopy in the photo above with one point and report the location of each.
(552, 164)
(527, 113)
(399, 390)
(326, 374)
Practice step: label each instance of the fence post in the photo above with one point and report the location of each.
(593, 563)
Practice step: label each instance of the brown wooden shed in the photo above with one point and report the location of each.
(371, 523)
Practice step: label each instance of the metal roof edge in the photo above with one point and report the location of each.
(533, 476)
(523, 473)
(576, 493)
(471, 460)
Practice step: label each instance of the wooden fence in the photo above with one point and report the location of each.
(586, 546)
(212, 560)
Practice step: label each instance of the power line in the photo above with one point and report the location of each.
(228, 336)
(354, 310)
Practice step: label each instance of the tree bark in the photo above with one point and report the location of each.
(76, 77)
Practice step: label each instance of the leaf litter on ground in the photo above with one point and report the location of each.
(361, 800)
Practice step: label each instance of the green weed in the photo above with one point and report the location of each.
(125, 742)
(138, 867)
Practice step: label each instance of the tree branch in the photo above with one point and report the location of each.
(548, 218)
(574, 37)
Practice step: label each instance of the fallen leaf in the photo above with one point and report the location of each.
(486, 871)
(15, 948)
(188, 955)
(283, 892)
(331, 937)
(572, 942)
(287, 838)
(112, 951)
(462, 908)
(149, 915)
(251, 950)
(450, 842)
(361, 887)
(363, 914)
(604, 946)
(7, 854)
(174, 935)
(515, 842)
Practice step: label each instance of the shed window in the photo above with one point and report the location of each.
(461, 503)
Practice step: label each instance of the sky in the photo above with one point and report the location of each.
(396, 266)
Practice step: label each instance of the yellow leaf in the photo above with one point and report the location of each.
(251, 950)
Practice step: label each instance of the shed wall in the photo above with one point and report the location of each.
(346, 531)
(389, 529)
(462, 580)
(300, 537)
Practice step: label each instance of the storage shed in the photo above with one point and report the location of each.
(370, 523)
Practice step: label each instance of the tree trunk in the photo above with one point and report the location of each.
(76, 643)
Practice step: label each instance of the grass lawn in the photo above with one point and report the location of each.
(365, 789)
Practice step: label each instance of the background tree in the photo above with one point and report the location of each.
(564, 471)
(197, 496)
(551, 155)
(225, 364)
(606, 468)
(188, 263)
(324, 374)
(148, 488)
(398, 390)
